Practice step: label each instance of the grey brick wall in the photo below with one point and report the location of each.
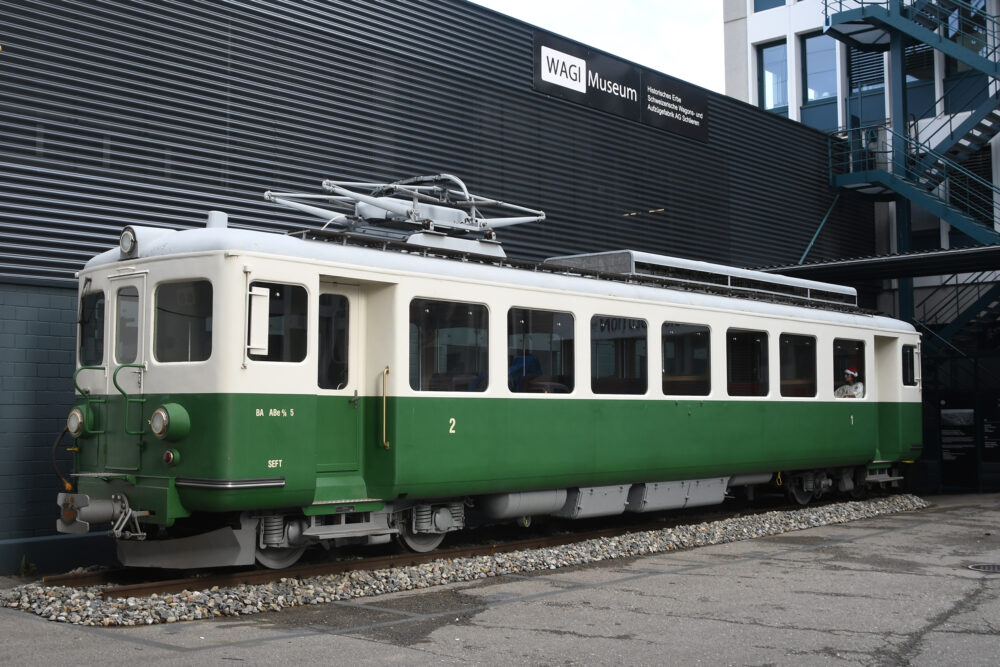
(37, 333)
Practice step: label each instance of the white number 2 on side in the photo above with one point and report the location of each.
(451, 425)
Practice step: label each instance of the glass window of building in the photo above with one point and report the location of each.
(764, 5)
(449, 344)
(127, 325)
(746, 362)
(539, 351)
(334, 320)
(286, 322)
(686, 359)
(849, 368)
(819, 67)
(182, 330)
(772, 77)
(797, 359)
(618, 355)
(92, 329)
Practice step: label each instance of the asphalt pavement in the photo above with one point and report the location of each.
(894, 590)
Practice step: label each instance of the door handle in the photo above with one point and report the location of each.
(354, 400)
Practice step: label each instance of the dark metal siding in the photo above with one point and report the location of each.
(116, 112)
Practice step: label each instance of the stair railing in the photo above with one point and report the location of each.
(943, 124)
(869, 148)
(945, 14)
(956, 293)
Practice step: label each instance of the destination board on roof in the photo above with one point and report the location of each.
(575, 72)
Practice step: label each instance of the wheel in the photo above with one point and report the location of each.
(860, 490)
(279, 559)
(418, 542)
(798, 493)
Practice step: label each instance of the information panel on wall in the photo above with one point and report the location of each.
(575, 72)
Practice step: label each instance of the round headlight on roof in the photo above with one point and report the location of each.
(75, 422)
(127, 242)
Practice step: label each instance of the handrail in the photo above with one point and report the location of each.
(128, 400)
(956, 26)
(88, 413)
(947, 120)
(385, 373)
(870, 148)
(974, 284)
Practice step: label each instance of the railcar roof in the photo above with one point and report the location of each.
(417, 260)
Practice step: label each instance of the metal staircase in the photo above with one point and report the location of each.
(960, 309)
(861, 161)
(931, 166)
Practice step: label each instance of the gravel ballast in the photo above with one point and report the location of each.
(85, 606)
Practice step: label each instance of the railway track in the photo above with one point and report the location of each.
(120, 583)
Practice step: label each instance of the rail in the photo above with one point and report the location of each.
(870, 148)
(128, 399)
(961, 22)
(950, 299)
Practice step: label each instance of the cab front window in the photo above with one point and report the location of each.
(92, 329)
(183, 326)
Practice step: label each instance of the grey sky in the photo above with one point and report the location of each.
(682, 38)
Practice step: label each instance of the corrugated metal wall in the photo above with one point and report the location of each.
(118, 112)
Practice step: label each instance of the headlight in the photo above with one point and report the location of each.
(75, 422)
(170, 422)
(127, 241)
(160, 422)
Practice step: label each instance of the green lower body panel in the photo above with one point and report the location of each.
(258, 451)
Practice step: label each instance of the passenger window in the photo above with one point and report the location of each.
(539, 351)
(449, 343)
(127, 325)
(910, 365)
(686, 359)
(849, 368)
(92, 329)
(797, 357)
(618, 355)
(746, 362)
(334, 318)
(287, 322)
(183, 327)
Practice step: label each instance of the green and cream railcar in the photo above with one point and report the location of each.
(244, 394)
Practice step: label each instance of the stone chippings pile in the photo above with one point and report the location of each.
(85, 606)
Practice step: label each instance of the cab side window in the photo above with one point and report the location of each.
(287, 311)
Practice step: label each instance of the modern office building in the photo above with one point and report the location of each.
(907, 93)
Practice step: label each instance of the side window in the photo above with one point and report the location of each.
(798, 365)
(686, 359)
(618, 355)
(334, 320)
(539, 351)
(849, 368)
(183, 327)
(746, 362)
(92, 329)
(449, 344)
(127, 325)
(910, 365)
(286, 322)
